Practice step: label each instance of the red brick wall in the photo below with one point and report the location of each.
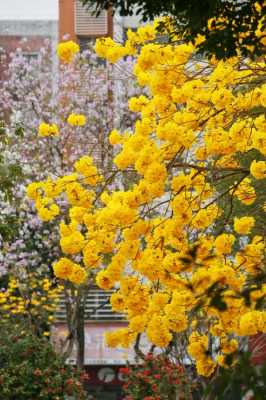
(257, 348)
(11, 43)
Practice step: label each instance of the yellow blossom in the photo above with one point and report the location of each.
(48, 130)
(67, 50)
(76, 119)
(243, 225)
(63, 268)
(258, 169)
(223, 243)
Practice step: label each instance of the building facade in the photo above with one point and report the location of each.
(26, 25)
(102, 363)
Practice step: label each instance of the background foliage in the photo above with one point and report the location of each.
(235, 27)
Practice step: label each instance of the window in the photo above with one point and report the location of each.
(30, 55)
(88, 25)
(97, 308)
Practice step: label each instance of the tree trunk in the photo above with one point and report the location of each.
(80, 333)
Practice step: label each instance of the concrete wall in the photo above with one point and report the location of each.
(28, 28)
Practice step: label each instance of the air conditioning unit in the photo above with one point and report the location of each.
(88, 25)
(70, 361)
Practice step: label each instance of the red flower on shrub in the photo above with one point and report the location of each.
(154, 387)
(124, 370)
(37, 372)
(154, 379)
(146, 372)
(84, 376)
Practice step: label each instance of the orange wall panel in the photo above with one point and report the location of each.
(67, 19)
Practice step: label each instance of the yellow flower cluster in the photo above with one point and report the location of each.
(48, 130)
(223, 243)
(81, 199)
(110, 50)
(76, 120)
(198, 349)
(66, 269)
(67, 50)
(258, 169)
(47, 210)
(155, 240)
(244, 225)
(52, 129)
(253, 322)
(39, 297)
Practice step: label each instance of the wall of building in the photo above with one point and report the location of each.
(26, 24)
(28, 28)
(67, 19)
(27, 35)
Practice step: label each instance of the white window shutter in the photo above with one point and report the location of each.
(87, 25)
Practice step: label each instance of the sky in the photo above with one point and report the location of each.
(28, 10)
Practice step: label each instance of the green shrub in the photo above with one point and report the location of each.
(30, 369)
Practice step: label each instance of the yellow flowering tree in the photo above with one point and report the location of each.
(28, 303)
(154, 241)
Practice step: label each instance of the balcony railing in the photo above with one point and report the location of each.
(98, 308)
